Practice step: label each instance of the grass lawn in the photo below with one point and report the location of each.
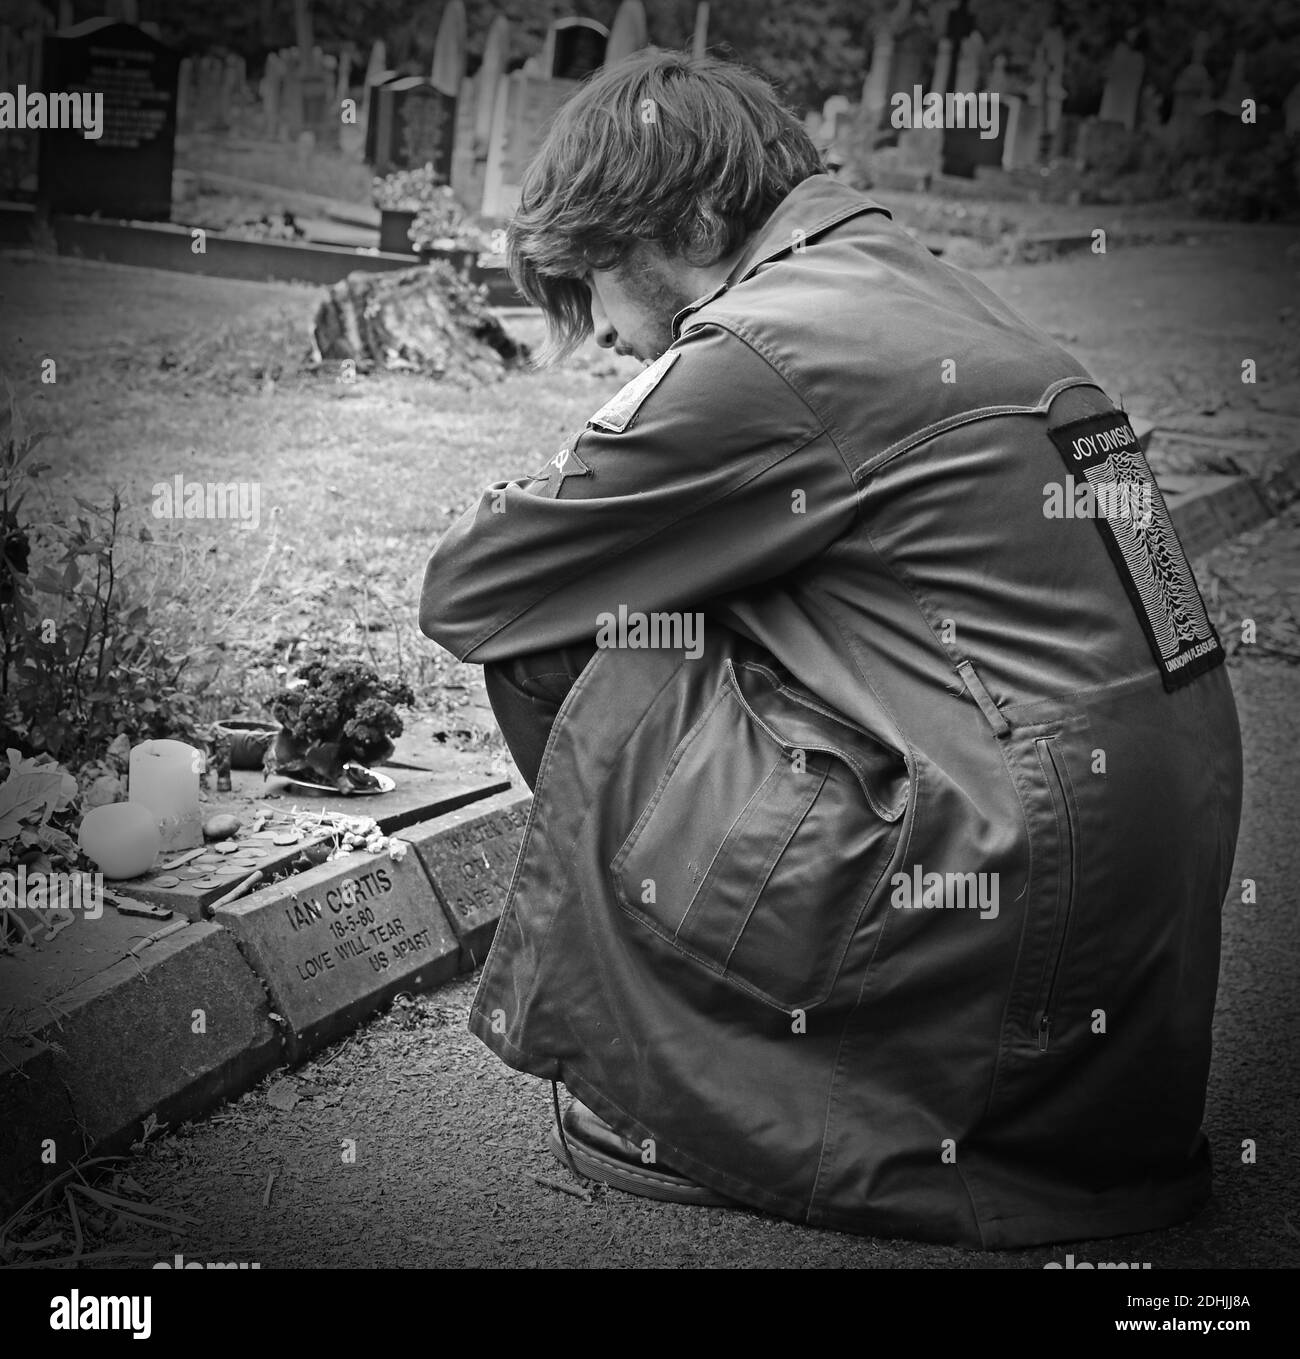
(160, 374)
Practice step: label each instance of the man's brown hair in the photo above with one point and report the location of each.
(690, 153)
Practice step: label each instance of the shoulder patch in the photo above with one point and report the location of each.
(566, 463)
(1104, 453)
(619, 412)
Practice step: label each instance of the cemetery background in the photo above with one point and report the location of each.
(205, 375)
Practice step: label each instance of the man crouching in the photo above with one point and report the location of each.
(892, 903)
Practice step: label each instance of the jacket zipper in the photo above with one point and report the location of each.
(1045, 1015)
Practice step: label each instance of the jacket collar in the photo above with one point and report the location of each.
(812, 206)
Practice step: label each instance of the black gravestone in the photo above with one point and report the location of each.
(415, 125)
(579, 48)
(127, 170)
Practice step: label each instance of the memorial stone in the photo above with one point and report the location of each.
(627, 34)
(416, 125)
(876, 87)
(343, 940)
(525, 106)
(449, 50)
(574, 48)
(1119, 98)
(470, 856)
(970, 64)
(127, 171)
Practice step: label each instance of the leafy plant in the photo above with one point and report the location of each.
(339, 715)
(441, 222)
(81, 657)
(407, 190)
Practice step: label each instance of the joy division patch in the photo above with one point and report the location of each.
(617, 413)
(1103, 453)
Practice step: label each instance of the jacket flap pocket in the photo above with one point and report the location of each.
(795, 720)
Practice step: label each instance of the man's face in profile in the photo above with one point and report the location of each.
(632, 306)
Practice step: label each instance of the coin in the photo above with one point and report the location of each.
(287, 838)
(167, 881)
(227, 847)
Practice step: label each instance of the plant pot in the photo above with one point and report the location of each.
(395, 231)
(249, 740)
(324, 760)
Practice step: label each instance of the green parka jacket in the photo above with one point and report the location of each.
(891, 900)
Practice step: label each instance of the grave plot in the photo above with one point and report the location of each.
(284, 828)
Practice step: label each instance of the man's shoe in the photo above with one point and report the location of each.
(599, 1153)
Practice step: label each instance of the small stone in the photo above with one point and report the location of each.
(220, 827)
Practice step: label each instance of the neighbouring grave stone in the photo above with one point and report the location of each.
(127, 170)
(876, 88)
(1192, 90)
(1119, 98)
(470, 857)
(970, 64)
(575, 47)
(415, 125)
(337, 942)
(627, 34)
(449, 49)
(525, 106)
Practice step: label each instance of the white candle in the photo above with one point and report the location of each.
(164, 776)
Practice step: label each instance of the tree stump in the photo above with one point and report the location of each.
(426, 319)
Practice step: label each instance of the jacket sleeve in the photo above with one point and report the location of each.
(707, 474)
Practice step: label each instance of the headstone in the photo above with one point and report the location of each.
(234, 88)
(942, 66)
(211, 74)
(416, 125)
(1192, 88)
(1119, 98)
(910, 56)
(127, 171)
(449, 50)
(998, 75)
(377, 66)
(466, 167)
(185, 93)
(269, 89)
(876, 88)
(574, 48)
(291, 95)
(627, 33)
(470, 857)
(1051, 64)
(525, 107)
(1009, 106)
(491, 71)
(1024, 135)
(970, 64)
(345, 938)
